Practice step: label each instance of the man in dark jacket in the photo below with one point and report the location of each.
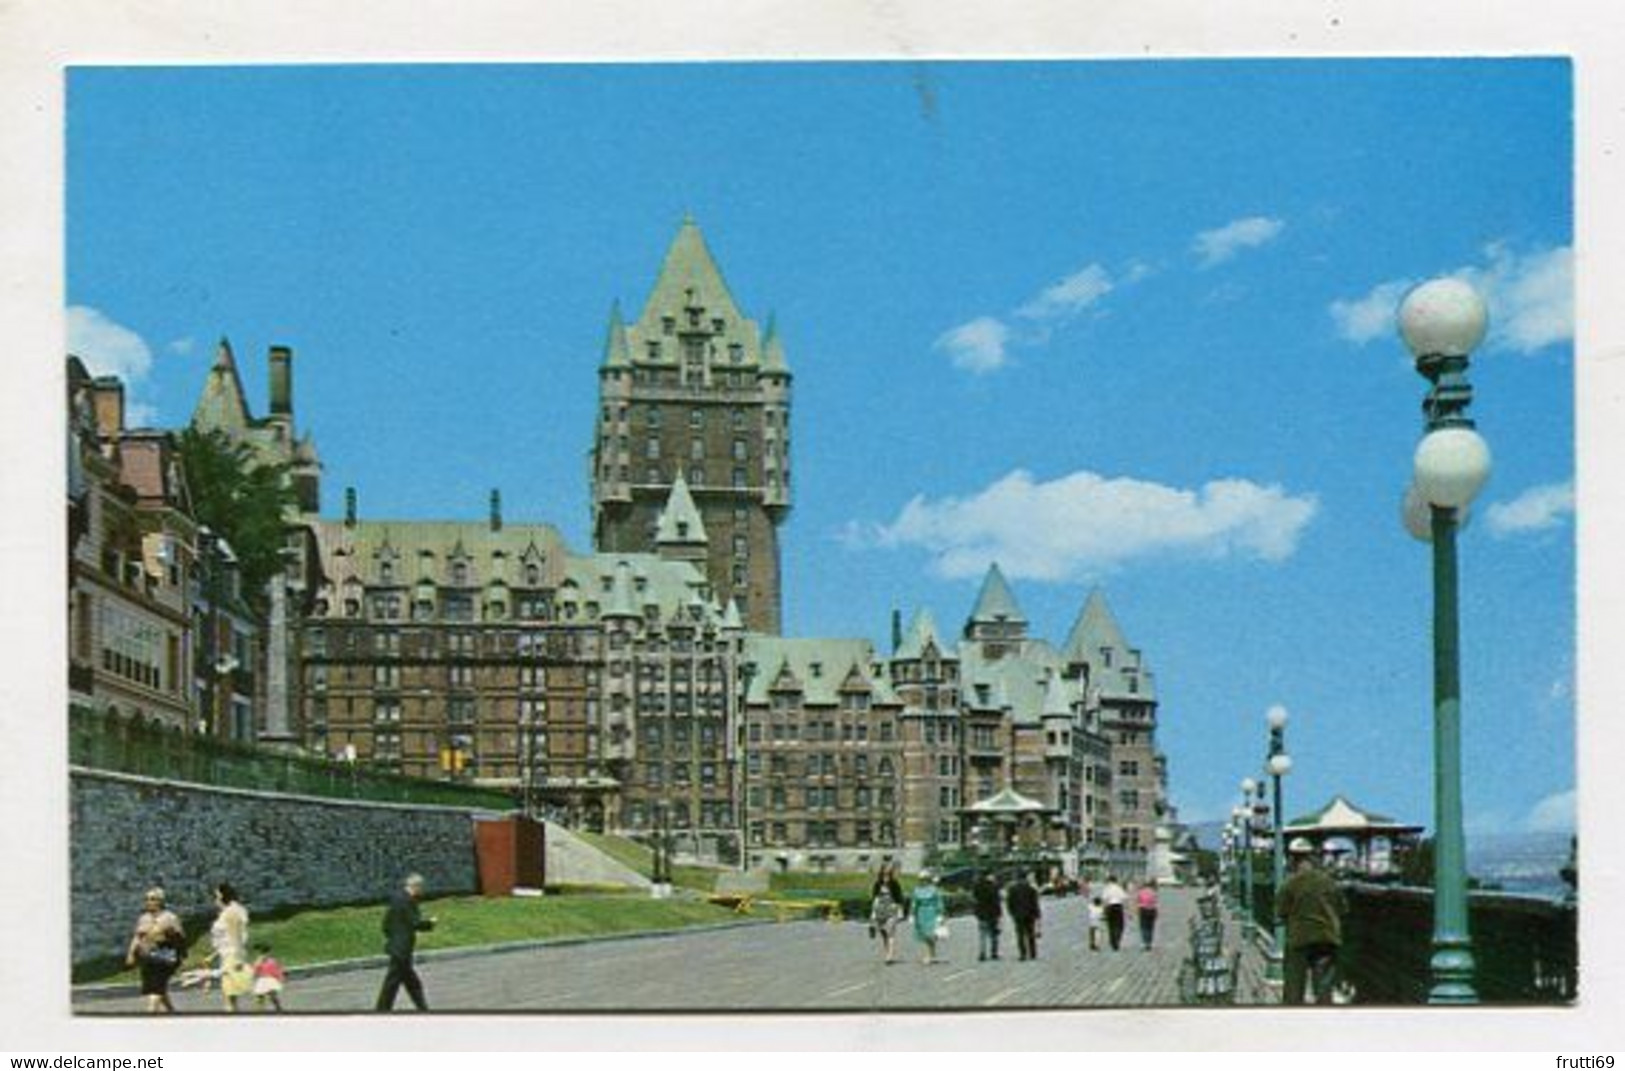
(401, 925)
(985, 893)
(1022, 901)
(1312, 906)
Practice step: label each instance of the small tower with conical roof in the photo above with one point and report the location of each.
(996, 623)
(694, 389)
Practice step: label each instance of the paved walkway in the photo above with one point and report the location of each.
(783, 966)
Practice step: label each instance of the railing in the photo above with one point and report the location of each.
(1525, 948)
(108, 742)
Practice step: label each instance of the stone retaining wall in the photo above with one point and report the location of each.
(128, 833)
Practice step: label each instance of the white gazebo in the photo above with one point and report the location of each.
(1342, 828)
(1007, 810)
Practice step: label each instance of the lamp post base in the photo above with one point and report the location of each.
(1452, 973)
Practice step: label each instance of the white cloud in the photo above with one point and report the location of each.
(1363, 319)
(106, 347)
(109, 348)
(1530, 296)
(1536, 510)
(1069, 296)
(1554, 814)
(181, 346)
(1219, 245)
(1084, 523)
(977, 346)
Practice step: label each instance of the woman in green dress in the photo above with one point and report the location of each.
(926, 910)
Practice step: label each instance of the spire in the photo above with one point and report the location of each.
(689, 278)
(680, 521)
(922, 630)
(1095, 628)
(773, 348)
(222, 406)
(995, 602)
(730, 620)
(617, 351)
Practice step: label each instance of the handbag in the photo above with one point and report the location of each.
(166, 957)
(941, 933)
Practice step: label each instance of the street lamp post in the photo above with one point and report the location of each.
(1441, 322)
(1244, 826)
(1279, 765)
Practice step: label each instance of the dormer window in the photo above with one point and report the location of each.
(816, 669)
(668, 324)
(682, 529)
(533, 574)
(459, 573)
(386, 572)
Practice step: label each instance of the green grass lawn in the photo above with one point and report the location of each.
(317, 936)
(640, 858)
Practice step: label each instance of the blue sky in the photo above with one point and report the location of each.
(1115, 323)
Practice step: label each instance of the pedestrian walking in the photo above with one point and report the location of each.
(1145, 907)
(1022, 902)
(228, 937)
(925, 906)
(1113, 897)
(886, 908)
(1312, 906)
(269, 978)
(1097, 922)
(402, 924)
(157, 948)
(985, 897)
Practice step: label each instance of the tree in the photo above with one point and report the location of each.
(241, 499)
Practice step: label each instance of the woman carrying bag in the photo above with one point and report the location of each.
(157, 948)
(926, 907)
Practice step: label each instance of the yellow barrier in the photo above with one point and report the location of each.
(782, 909)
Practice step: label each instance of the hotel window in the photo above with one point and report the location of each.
(736, 353)
(654, 349)
(741, 451)
(696, 419)
(739, 477)
(386, 676)
(651, 448)
(696, 449)
(696, 476)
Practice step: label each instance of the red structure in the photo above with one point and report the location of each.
(510, 853)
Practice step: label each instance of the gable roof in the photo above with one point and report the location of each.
(680, 521)
(922, 630)
(835, 659)
(1122, 674)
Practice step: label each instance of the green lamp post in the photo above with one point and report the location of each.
(1244, 831)
(1441, 322)
(1279, 765)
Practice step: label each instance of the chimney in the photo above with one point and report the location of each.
(896, 629)
(107, 393)
(349, 507)
(281, 381)
(496, 510)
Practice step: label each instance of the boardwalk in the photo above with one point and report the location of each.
(797, 966)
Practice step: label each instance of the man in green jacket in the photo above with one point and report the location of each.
(1312, 906)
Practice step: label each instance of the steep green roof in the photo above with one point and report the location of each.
(996, 602)
(1020, 680)
(834, 659)
(921, 630)
(671, 587)
(617, 350)
(416, 549)
(680, 521)
(222, 406)
(689, 277)
(1116, 669)
(773, 349)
